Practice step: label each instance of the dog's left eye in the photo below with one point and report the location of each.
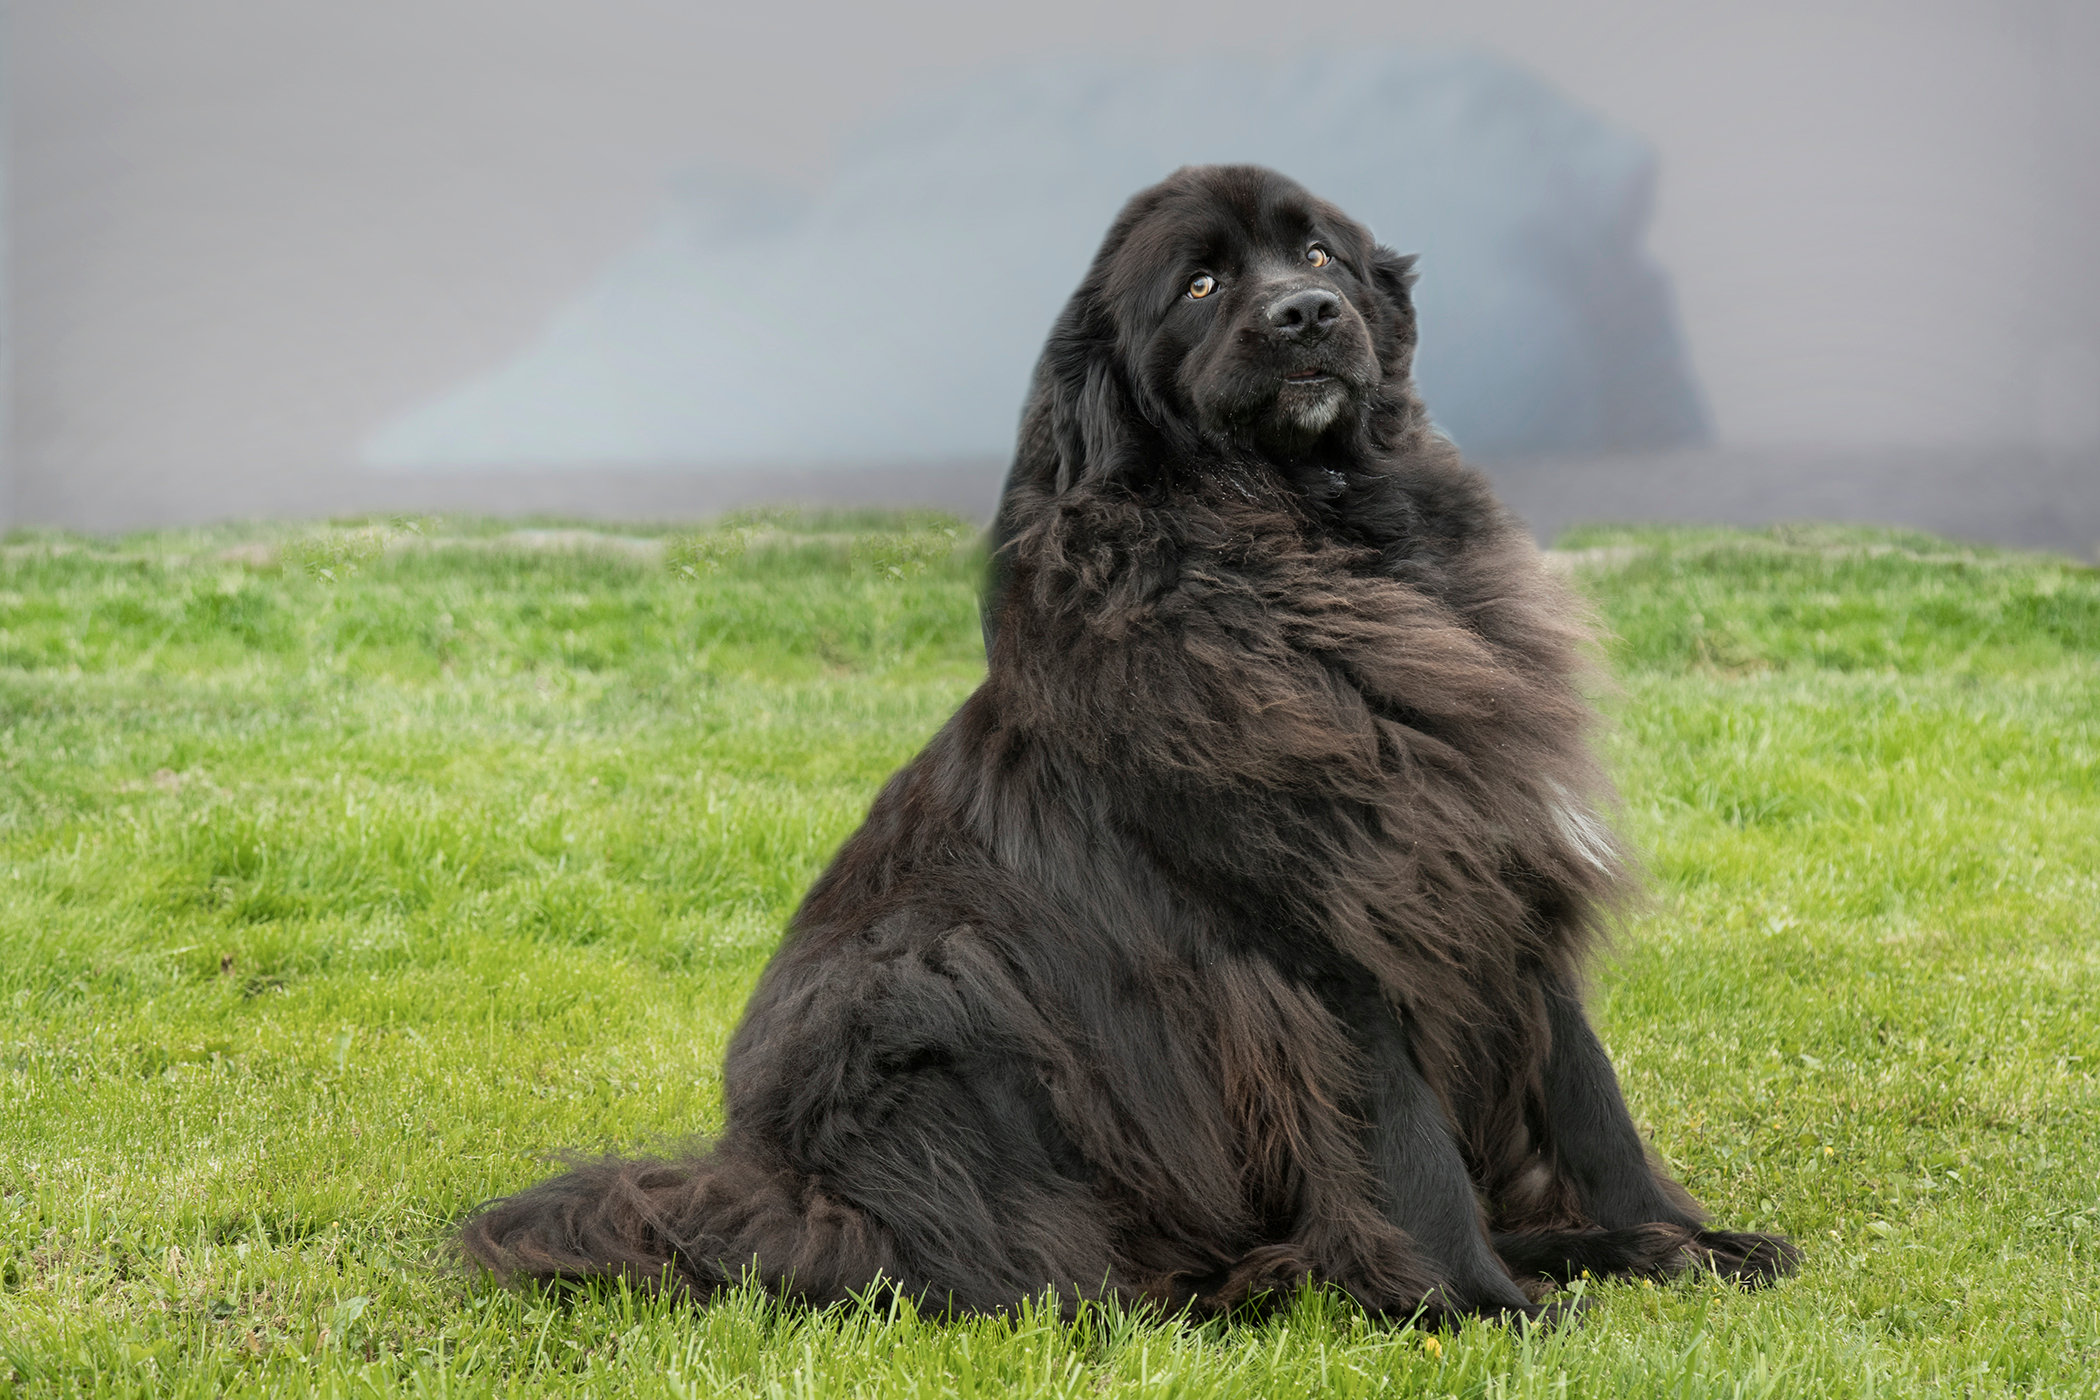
(1318, 256)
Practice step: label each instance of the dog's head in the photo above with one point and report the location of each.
(1230, 318)
(1229, 310)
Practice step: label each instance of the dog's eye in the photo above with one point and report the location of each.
(1202, 285)
(1318, 256)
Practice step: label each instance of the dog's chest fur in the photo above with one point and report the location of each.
(1382, 745)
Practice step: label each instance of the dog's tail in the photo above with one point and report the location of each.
(697, 1224)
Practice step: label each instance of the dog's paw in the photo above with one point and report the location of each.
(1436, 1315)
(1258, 1280)
(1750, 1259)
(1547, 1316)
(1562, 1256)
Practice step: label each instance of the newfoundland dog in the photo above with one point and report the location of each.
(1231, 934)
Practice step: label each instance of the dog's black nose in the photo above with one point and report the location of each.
(1304, 315)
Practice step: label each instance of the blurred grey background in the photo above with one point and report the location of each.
(295, 258)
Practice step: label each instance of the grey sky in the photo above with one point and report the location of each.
(244, 233)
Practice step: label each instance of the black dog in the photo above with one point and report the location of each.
(1230, 934)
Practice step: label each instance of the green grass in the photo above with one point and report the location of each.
(345, 873)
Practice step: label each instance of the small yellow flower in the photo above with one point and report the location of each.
(1433, 1347)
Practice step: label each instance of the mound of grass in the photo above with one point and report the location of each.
(346, 872)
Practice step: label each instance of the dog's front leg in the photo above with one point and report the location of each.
(1590, 1131)
(1416, 1162)
(1649, 1223)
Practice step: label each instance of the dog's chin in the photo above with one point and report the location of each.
(1283, 415)
(1310, 405)
(1303, 412)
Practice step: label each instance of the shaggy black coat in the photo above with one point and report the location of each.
(1230, 935)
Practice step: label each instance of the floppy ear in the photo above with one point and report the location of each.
(1393, 274)
(1079, 426)
(1093, 422)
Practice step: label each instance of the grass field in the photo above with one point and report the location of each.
(345, 873)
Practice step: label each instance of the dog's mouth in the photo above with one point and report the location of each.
(1306, 376)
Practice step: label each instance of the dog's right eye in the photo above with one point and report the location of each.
(1202, 285)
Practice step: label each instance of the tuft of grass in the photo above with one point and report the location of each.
(346, 871)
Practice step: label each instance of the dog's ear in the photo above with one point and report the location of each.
(1079, 426)
(1093, 422)
(1090, 413)
(1081, 422)
(1393, 274)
